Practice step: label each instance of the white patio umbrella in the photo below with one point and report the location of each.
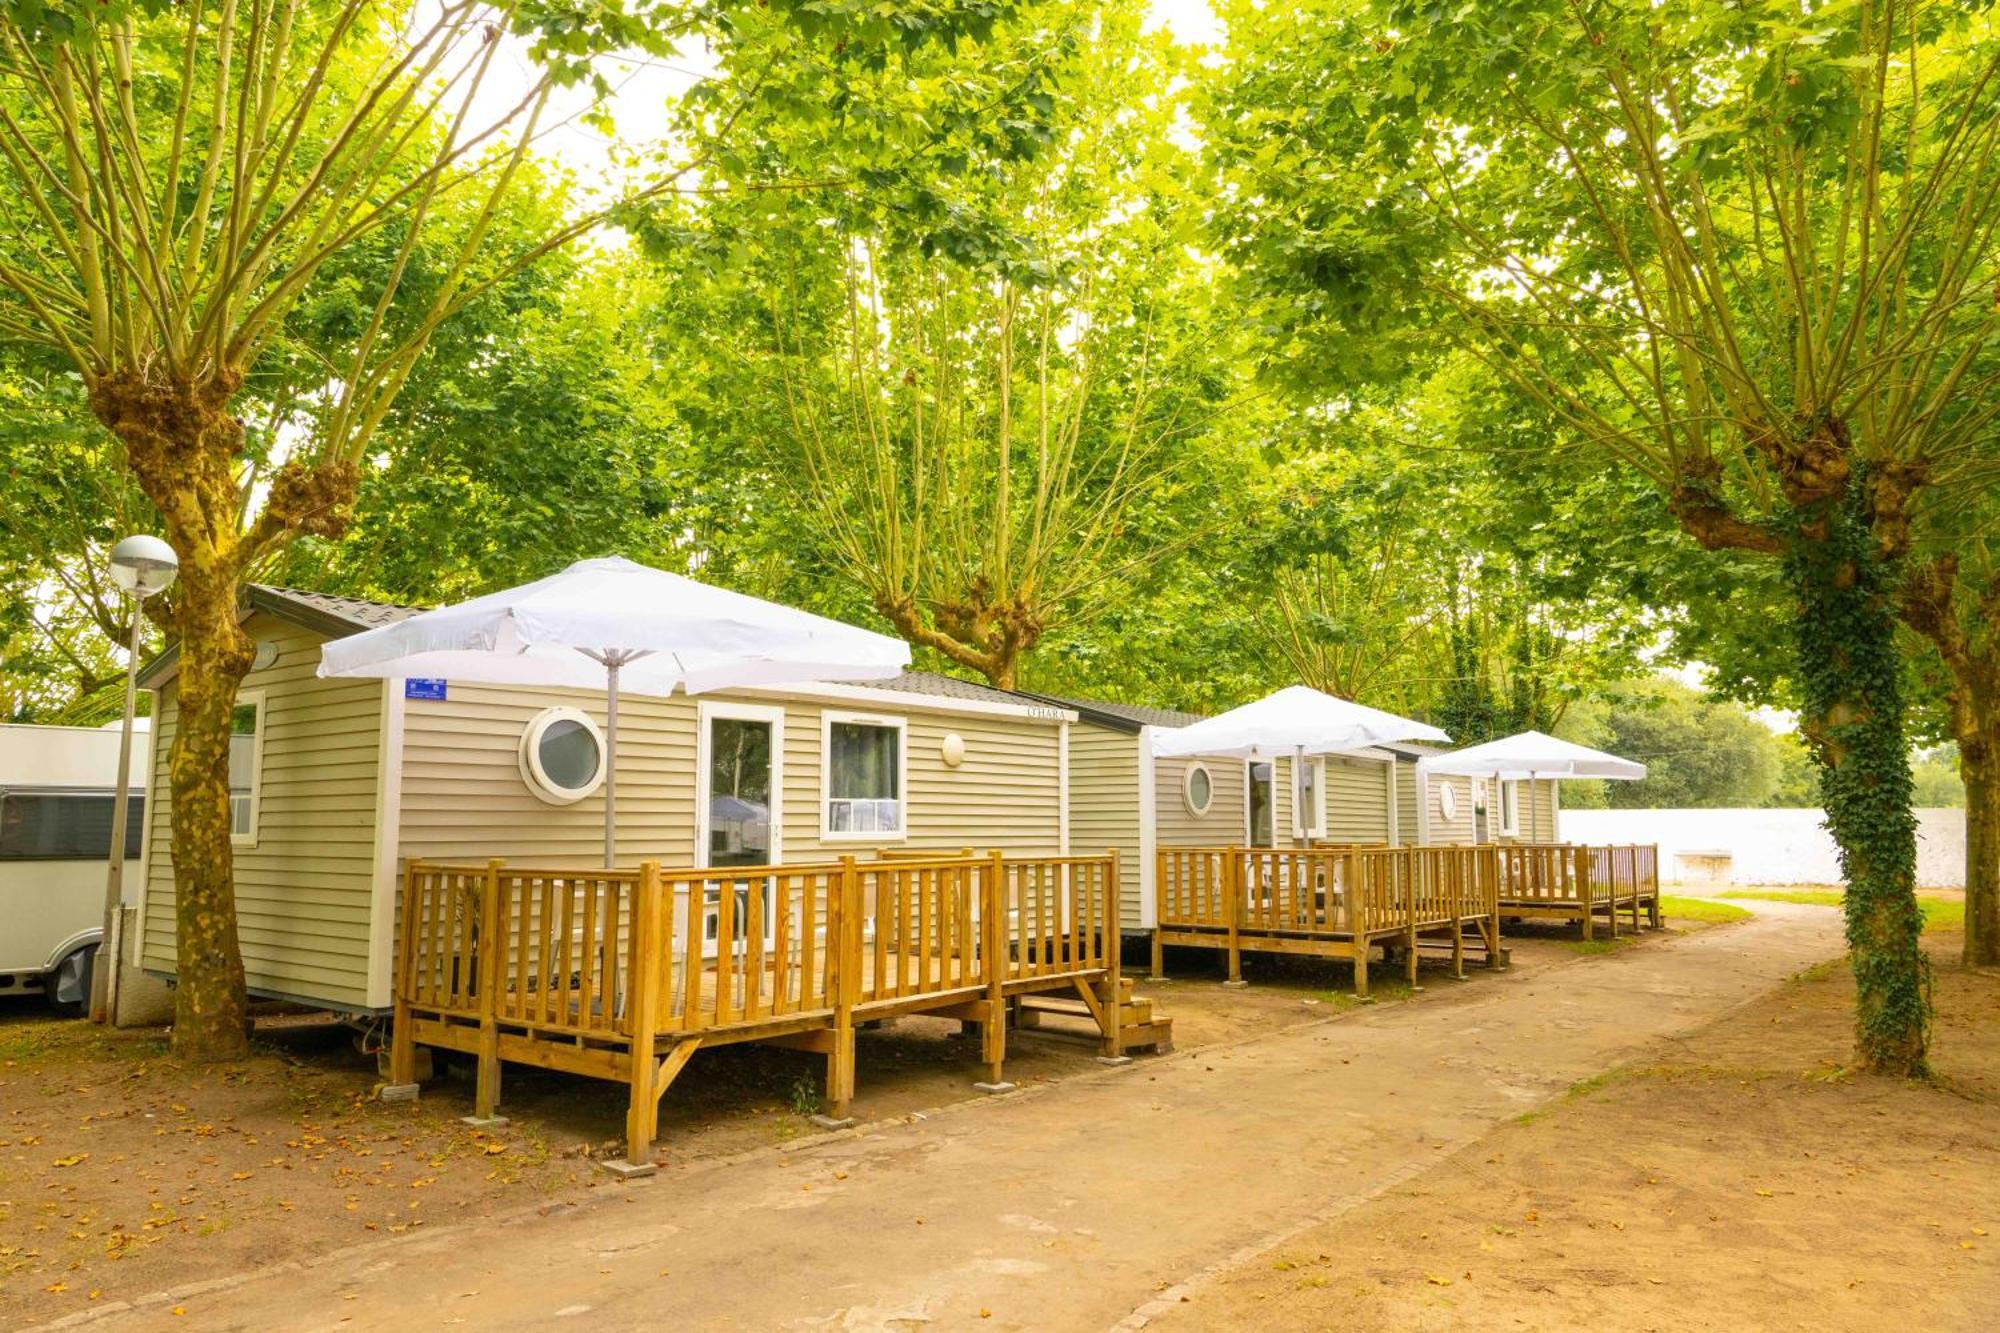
(1534, 754)
(1297, 721)
(619, 625)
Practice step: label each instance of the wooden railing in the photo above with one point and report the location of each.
(1551, 873)
(1351, 891)
(1557, 873)
(608, 954)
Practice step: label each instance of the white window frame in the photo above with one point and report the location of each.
(544, 788)
(254, 699)
(1187, 792)
(1311, 823)
(712, 710)
(1509, 796)
(738, 884)
(1249, 806)
(828, 719)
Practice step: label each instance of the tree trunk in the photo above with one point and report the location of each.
(1853, 716)
(1979, 766)
(1960, 623)
(183, 445)
(209, 1003)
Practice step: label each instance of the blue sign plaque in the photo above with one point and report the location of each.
(417, 687)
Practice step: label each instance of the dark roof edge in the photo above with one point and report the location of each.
(272, 602)
(1086, 711)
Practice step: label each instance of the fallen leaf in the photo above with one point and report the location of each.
(72, 1161)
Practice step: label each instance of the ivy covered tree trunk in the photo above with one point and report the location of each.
(1853, 717)
(1979, 766)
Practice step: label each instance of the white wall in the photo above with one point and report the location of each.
(32, 756)
(1763, 846)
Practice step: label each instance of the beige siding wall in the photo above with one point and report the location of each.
(1221, 826)
(1458, 828)
(1537, 819)
(1407, 817)
(304, 893)
(1357, 799)
(463, 795)
(1284, 790)
(1537, 811)
(1104, 805)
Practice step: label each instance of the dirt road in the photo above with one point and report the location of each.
(1084, 1205)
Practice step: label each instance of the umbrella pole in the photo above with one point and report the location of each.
(1301, 816)
(611, 764)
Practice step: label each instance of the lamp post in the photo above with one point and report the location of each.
(142, 566)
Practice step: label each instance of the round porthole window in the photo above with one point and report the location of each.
(1197, 789)
(562, 756)
(1448, 801)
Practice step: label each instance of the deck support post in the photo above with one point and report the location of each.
(1114, 967)
(642, 1114)
(1653, 887)
(492, 958)
(1159, 915)
(1580, 867)
(992, 935)
(1232, 911)
(1412, 888)
(402, 1028)
(1632, 860)
(1489, 902)
(845, 939)
(1362, 948)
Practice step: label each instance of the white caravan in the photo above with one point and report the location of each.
(56, 787)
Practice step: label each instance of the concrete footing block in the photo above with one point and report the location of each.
(994, 1088)
(625, 1170)
(1114, 1060)
(1234, 985)
(489, 1122)
(399, 1092)
(832, 1122)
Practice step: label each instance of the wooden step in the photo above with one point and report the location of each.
(1156, 1036)
(1070, 1004)
(1140, 1029)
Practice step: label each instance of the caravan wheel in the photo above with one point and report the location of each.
(68, 983)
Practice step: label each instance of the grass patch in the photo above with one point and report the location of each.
(1939, 913)
(1700, 909)
(1585, 1087)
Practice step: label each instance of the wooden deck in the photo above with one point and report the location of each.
(1567, 882)
(1329, 902)
(625, 974)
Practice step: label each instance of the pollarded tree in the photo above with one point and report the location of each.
(1744, 250)
(183, 179)
(993, 389)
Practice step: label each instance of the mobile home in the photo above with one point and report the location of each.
(57, 787)
(350, 778)
(1456, 808)
(1121, 794)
